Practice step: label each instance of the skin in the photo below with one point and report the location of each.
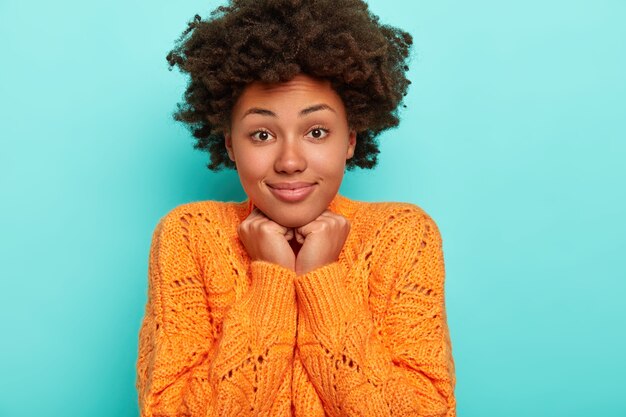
(291, 133)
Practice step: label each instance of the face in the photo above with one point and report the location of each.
(290, 142)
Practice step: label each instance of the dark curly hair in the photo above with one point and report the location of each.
(274, 40)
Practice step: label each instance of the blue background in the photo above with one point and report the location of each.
(513, 140)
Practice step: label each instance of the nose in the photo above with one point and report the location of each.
(290, 157)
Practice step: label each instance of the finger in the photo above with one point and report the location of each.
(309, 228)
(330, 215)
(267, 224)
(336, 220)
(299, 237)
(254, 214)
(289, 234)
(258, 213)
(257, 217)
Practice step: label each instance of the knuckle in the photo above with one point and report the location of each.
(265, 226)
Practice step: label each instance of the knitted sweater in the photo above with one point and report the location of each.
(363, 336)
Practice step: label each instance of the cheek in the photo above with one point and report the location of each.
(251, 166)
(248, 176)
(331, 162)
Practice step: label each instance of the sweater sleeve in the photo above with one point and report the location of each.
(399, 364)
(191, 364)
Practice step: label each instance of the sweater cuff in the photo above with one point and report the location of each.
(274, 296)
(323, 298)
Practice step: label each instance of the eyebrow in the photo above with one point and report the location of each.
(303, 112)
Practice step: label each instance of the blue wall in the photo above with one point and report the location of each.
(513, 140)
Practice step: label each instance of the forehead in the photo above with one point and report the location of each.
(297, 92)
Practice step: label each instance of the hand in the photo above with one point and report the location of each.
(322, 241)
(266, 240)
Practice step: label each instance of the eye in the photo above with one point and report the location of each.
(318, 133)
(261, 135)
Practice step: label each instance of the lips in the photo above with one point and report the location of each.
(291, 192)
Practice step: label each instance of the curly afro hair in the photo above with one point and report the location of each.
(273, 41)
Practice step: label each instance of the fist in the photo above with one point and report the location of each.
(322, 241)
(266, 240)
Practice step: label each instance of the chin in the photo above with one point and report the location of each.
(291, 221)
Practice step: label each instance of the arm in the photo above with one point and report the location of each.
(186, 364)
(399, 365)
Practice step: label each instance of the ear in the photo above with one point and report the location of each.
(228, 142)
(351, 144)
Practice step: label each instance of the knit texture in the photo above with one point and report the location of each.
(366, 335)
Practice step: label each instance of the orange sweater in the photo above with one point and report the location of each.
(363, 336)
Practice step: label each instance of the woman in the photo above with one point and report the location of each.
(297, 301)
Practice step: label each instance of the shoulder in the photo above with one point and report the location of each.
(200, 208)
(399, 240)
(190, 215)
(394, 218)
